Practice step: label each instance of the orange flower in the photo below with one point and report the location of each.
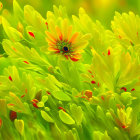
(62, 41)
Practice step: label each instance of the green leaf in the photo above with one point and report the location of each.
(18, 12)
(100, 111)
(54, 81)
(60, 95)
(136, 131)
(34, 19)
(47, 109)
(44, 99)
(97, 135)
(11, 32)
(19, 124)
(18, 105)
(105, 136)
(69, 135)
(126, 97)
(77, 113)
(46, 117)
(18, 50)
(70, 72)
(100, 64)
(60, 12)
(40, 104)
(66, 118)
(3, 107)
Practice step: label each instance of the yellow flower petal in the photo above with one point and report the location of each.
(50, 36)
(65, 29)
(52, 49)
(69, 32)
(59, 33)
(74, 37)
(80, 45)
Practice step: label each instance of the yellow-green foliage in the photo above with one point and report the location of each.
(68, 77)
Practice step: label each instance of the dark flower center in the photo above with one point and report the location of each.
(64, 46)
(65, 49)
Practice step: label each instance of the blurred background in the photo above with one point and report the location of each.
(102, 10)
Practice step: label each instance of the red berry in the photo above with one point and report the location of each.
(13, 115)
(93, 82)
